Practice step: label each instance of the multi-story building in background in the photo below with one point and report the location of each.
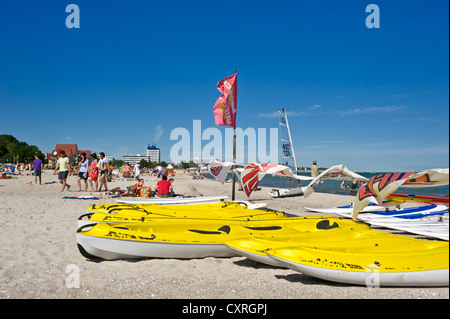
(154, 153)
(133, 159)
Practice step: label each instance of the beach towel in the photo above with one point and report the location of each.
(82, 197)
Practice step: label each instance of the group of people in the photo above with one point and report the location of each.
(163, 188)
(127, 170)
(198, 174)
(96, 171)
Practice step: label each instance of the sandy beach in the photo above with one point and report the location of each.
(39, 253)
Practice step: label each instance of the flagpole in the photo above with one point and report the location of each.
(233, 190)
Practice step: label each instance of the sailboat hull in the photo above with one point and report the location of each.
(286, 192)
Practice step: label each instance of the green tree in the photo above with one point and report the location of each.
(153, 164)
(12, 149)
(144, 163)
(184, 165)
(117, 163)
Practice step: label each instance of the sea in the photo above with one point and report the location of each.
(334, 187)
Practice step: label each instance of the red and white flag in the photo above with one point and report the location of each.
(219, 169)
(225, 106)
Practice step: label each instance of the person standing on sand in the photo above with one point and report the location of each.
(103, 166)
(314, 170)
(137, 171)
(126, 171)
(38, 167)
(93, 172)
(83, 171)
(64, 170)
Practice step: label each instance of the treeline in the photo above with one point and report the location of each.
(13, 151)
(142, 163)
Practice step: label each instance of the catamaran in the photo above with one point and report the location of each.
(288, 156)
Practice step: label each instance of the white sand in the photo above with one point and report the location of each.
(38, 249)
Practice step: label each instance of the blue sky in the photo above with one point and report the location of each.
(372, 99)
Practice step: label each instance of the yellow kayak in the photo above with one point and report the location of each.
(140, 217)
(173, 238)
(385, 261)
(128, 213)
(255, 248)
(120, 207)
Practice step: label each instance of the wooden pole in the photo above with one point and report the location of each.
(233, 190)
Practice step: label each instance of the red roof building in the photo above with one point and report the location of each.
(72, 153)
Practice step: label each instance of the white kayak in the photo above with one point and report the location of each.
(415, 223)
(406, 213)
(411, 220)
(428, 228)
(348, 209)
(174, 200)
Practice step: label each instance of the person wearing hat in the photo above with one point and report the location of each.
(314, 170)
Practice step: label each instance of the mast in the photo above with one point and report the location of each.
(283, 121)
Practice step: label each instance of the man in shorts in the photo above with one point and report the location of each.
(38, 166)
(64, 170)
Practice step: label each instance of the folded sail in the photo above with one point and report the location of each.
(337, 172)
(219, 169)
(253, 173)
(379, 187)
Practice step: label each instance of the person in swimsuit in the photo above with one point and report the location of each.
(354, 186)
(93, 172)
(126, 171)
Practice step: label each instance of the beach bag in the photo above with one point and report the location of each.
(146, 192)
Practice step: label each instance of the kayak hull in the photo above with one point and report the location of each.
(428, 278)
(189, 238)
(110, 249)
(394, 262)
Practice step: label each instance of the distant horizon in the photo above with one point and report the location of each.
(321, 168)
(366, 89)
